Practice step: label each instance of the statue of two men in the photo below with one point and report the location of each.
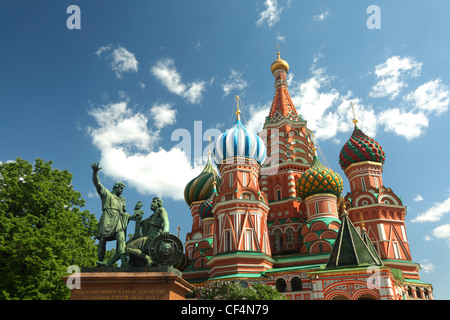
(156, 224)
(114, 221)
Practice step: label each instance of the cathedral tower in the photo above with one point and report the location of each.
(381, 210)
(241, 240)
(290, 152)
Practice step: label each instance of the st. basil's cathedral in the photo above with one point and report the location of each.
(274, 213)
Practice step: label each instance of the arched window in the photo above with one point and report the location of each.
(363, 183)
(278, 193)
(418, 293)
(317, 207)
(296, 284)
(280, 284)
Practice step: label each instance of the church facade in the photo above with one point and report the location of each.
(273, 213)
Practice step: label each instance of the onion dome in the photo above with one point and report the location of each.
(205, 209)
(239, 142)
(201, 187)
(360, 147)
(279, 64)
(319, 179)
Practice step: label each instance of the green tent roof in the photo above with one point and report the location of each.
(350, 249)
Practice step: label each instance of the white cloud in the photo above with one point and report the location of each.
(408, 124)
(163, 115)
(430, 97)
(197, 45)
(435, 213)
(412, 117)
(281, 38)
(271, 15)
(426, 266)
(151, 170)
(234, 83)
(258, 116)
(118, 126)
(162, 173)
(418, 198)
(322, 16)
(392, 75)
(326, 109)
(165, 71)
(442, 232)
(102, 49)
(122, 60)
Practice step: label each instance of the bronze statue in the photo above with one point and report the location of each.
(157, 224)
(114, 220)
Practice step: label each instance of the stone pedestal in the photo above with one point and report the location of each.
(147, 283)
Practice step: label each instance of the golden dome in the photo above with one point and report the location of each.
(279, 64)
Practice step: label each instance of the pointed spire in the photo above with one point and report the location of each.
(366, 239)
(362, 222)
(282, 105)
(349, 249)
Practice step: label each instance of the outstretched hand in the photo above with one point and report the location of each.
(96, 166)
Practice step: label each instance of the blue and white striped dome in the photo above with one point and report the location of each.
(239, 142)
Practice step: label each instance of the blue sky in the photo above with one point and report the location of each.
(142, 84)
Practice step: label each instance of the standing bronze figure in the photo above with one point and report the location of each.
(114, 220)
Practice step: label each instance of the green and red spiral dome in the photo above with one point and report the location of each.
(359, 148)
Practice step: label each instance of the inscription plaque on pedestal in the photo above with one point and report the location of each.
(149, 283)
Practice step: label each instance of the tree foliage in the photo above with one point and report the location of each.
(42, 230)
(233, 290)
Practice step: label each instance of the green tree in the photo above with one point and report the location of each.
(233, 290)
(42, 230)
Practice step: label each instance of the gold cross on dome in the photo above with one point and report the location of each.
(209, 147)
(238, 112)
(354, 117)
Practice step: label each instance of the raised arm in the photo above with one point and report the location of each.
(95, 169)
